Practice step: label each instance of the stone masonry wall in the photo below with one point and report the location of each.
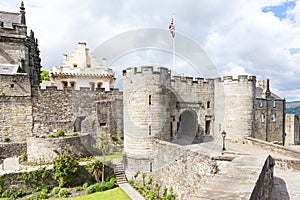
(16, 180)
(16, 107)
(184, 170)
(47, 149)
(66, 109)
(271, 127)
(265, 183)
(292, 129)
(10, 149)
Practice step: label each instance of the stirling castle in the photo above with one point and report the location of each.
(153, 104)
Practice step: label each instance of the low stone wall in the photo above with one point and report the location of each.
(47, 149)
(286, 164)
(184, 170)
(11, 149)
(265, 183)
(274, 147)
(20, 179)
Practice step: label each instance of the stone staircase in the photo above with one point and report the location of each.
(120, 174)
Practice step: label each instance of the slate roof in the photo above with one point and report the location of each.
(8, 69)
(9, 18)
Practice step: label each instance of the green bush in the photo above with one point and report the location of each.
(86, 185)
(6, 139)
(39, 196)
(55, 190)
(75, 134)
(50, 135)
(23, 157)
(65, 169)
(99, 187)
(13, 193)
(79, 188)
(64, 192)
(60, 133)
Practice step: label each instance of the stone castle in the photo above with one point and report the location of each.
(153, 105)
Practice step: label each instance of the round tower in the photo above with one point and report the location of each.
(239, 106)
(146, 100)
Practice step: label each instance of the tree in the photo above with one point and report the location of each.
(104, 145)
(65, 168)
(45, 76)
(95, 169)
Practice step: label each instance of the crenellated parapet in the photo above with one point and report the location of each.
(147, 71)
(240, 78)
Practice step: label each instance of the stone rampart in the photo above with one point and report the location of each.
(265, 182)
(66, 109)
(20, 179)
(181, 168)
(47, 149)
(11, 149)
(274, 147)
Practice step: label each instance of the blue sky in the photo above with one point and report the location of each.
(257, 37)
(280, 10)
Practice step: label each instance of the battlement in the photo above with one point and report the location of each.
(191, 80)
(113, 91)
(240, 78)
(147, 70)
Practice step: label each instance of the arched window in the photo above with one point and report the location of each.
(99, 85)
(64, 84)
(72, 84)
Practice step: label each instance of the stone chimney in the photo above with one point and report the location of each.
(65, 56)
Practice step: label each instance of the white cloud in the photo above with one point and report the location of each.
(236, 34)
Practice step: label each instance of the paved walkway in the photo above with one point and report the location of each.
(287, 185)
(235, 179)
(131, 192)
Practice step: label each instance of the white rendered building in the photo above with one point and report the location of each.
(81, 69)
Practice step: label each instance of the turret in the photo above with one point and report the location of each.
(146, 98)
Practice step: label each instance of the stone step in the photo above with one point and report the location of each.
(120, 174)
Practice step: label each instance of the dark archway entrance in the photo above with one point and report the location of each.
(187, 127)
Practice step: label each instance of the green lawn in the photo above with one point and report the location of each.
(113, 194)
(111, 156)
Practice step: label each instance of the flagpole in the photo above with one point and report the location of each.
(174, 55)
(174, 61)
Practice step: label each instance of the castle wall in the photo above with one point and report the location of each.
(292, 129)
(11, 149)
(219, 107)
(196, 95)
(269, 119)
(47, 149)
(67, 109)
(16, 107)
(239, 105)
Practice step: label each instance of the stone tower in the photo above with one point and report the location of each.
(19, 52)
(146, 100)
(239, 96)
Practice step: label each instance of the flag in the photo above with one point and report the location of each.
(172, 28)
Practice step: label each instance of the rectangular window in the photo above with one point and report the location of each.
(274, 117)
(208, 104)
(262, 118)
(274, 103)
(150, 100)
(149, 129)
(150, 167)
(261, 103)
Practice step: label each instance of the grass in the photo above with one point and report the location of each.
(114, 155)
(113, 194)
